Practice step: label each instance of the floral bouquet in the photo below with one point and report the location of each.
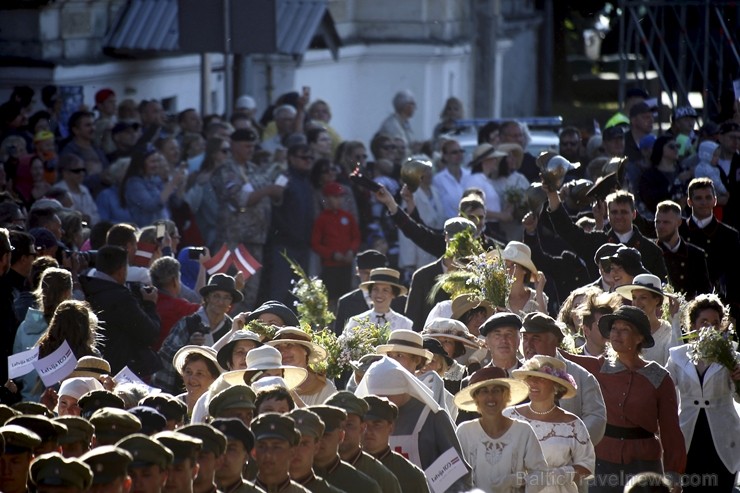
(312, 301)
(350, 346)
(516, 198)
(714, 346)
(266, 332)
(463, 244)
(672, 296)
(483, 275)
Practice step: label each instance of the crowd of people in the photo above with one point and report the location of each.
(163, 252)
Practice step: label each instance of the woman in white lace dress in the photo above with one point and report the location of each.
(503, 452)
(565, 441)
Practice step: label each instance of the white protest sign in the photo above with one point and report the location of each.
(444, 471)
(57, 366)
(20, 364)
(127, 376)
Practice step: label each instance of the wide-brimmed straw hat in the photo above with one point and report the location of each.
(519, 253)
(463, 303)
(91, 366)
(262, 359)
(178, 361)
(405, 341)
(549, 368)
(224, 354)
(488, 376)
(386, 276)
(450, 329)
(294, 335)
(632, 315)
(648, 282)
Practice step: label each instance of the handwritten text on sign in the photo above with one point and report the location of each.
(57, 366)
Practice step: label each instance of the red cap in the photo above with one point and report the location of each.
(333, 189)
(103, 94)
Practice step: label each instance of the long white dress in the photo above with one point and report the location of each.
(563, 444)
(501, 464)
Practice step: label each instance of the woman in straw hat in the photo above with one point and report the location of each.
(500, 450)
(384, 286)
(642, 429)
(458, 344)
(522, 298)
(564, 438)
(198, 367)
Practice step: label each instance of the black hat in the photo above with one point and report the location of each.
(244, 135)
(222, 282)
(639, 109)
(371, 259)
(629, 258)
(539, 323)
(152, 421)
(436, 347)
(605, 251)
(276, 308)
(615, 132)
(683, 112)
(501, 319)
(98, 399)
(632, 315)
(170, 407)
(235, 429)
(273, 425)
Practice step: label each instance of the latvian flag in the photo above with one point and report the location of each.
(144, 253)
(244, 262)
(219, 262)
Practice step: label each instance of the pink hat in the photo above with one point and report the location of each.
(333, 189)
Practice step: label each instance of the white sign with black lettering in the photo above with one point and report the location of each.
(444, 471)
(20, 364)
(57, 366)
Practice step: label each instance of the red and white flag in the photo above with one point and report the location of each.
(144, 254)
(244, 262)
(219, 262)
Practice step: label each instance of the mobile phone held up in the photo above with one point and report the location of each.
(161, 230)
(194, 253)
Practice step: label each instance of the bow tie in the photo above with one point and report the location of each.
(380, 317)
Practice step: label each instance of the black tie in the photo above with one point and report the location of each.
(380, 317)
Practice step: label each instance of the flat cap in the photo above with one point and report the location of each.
(78, 429)
(273, 425)
(146, 451)
(46, 429)
(498, 320)
(19, 439)
(235, 429)
(213, 440)
(98, 399)
(33, 408)
(307, 422)
(234, 397)
(7, 412)
(107, 463)
(349, 402)
(182, 446)
(152, 421)
(111, 425)
(332, 416)
(172, 408)
(54, 470)
(380, 408)
(539, 323)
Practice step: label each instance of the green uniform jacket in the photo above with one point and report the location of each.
(412, 478)
(343, 476)
(366, 463)
(316, 484)
(286, 487)
(243, 487)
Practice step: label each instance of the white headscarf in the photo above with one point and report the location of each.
(78, 386)
(387, 377)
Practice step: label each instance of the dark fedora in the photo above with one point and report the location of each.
(631, 315)
(501, 319)
(222, 282)
(275, 308)
(539, 323)
(629, 259)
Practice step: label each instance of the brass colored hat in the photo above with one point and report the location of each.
(413, 169)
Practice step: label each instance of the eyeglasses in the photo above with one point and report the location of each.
(77, 171)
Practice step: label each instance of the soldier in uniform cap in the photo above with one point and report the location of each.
(379, 420)
(7, 412)
(239, 444)
(214, 446)
(350, 450)
(184, 467)
(98, 399)
(112, 425)
(19, 445)
(151, 463)
(109, 465)
(53, 473)
(48, 430)
(33, 409)
(78, 438)
(276, 439)
(173, 409)
(311, 428)
(234, 402)
(327, 462)
(152, 421)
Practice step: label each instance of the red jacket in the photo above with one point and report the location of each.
(334, 231)
(170, 311)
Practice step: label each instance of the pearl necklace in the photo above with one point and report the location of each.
(543, 413)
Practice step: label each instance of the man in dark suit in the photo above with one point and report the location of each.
(720, 242)
(686, 263)
(621, 212)
(358, 300)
